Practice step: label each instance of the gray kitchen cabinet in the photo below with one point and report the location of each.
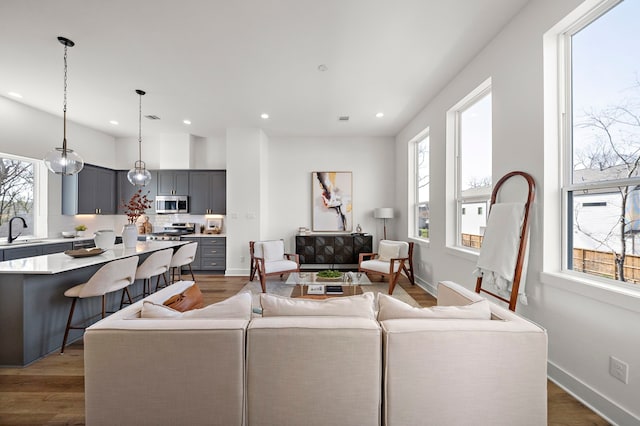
(208, 192)
(56, 248)
(213, 254)
(22, 252)
(1, 255)
(173, 182)
(125, 190)
(92, 191)
(195, 265)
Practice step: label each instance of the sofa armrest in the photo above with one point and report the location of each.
(453, 294)
(165, 372)
(465, 371)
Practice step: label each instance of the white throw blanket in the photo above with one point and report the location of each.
(499, 252)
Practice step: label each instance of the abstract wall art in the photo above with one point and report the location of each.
(332, 201)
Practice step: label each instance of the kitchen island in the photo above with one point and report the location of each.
(33, 308)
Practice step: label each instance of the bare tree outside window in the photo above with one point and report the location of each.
(612, 154)
(16, 192)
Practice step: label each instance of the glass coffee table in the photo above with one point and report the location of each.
(309, 285)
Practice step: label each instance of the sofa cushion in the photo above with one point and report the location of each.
(388, 251)
(237, 307)
(273, 250)
(190, 298)
(350, 306)
(391, 308)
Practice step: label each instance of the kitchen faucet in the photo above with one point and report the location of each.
(10, 238)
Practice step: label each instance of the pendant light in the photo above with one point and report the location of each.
(139, 175)
(64, 161)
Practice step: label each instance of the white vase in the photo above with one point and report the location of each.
(130, 235)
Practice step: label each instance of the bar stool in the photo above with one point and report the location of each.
(183, 256)
(157, 264)
(115, 275)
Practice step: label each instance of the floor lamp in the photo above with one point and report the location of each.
(383, 213)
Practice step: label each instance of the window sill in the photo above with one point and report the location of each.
(421, 241)
(619, 296)
(468, 254)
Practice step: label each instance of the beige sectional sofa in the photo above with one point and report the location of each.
(300, 366)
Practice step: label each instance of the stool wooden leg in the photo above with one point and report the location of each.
(66, 331)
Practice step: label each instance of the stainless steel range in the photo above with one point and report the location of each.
(173, 232)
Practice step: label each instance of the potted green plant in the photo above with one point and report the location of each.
(80, 230)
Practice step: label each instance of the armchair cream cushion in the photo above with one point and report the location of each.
(388, 250)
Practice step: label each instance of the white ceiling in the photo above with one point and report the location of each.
(221, 63)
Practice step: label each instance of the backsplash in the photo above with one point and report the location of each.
(58, 224)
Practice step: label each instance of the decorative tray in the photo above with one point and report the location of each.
(328, 276)
(84, 252)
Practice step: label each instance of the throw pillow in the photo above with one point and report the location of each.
(391, 308)
(388, 251)
(350, 306)
(273, 250)
(235, 307)
(189, 299)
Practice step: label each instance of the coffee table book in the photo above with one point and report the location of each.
(315, 289)
(334, 289)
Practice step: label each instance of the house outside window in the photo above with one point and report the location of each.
(472, 118)
(18, 179)
(420, 180)
(601, 185)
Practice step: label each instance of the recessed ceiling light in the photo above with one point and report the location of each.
(186, 121)
(15, 95)
(380, 114)
(322, 68)
(264, 116)
(114, 122)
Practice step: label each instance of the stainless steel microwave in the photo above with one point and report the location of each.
(172, 204)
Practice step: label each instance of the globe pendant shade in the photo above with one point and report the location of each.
(139, 176)
(63, 161)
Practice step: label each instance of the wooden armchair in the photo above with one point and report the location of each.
(392, 259)
(268, 258)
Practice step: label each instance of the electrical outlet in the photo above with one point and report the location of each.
(241, 259)
(619, 369)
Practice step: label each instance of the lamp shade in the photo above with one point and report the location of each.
(383, 213)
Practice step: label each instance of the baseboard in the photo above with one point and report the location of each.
(426, 286)
(590, 397)
(236, 273)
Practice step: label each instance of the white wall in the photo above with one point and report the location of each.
(31, 133)
(291, 161)
(585, 325)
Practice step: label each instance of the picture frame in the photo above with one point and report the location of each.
(331, 201)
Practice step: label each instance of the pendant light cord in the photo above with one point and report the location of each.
(140, 129)
(64, 109)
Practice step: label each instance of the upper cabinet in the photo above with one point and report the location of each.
(126, 190)
(92, 191)
(173, 182)
(208, 192)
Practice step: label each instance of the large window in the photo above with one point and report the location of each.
(17, 194)
(421, 185)
(473, 142)
(602, 150)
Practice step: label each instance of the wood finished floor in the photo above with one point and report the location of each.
(51, 390)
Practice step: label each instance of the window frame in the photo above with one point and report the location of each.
(40, 196)
(568, 186)
(454, 124)
(414, 198)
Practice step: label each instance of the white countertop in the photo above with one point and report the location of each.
(60, 262)
(29, 242)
